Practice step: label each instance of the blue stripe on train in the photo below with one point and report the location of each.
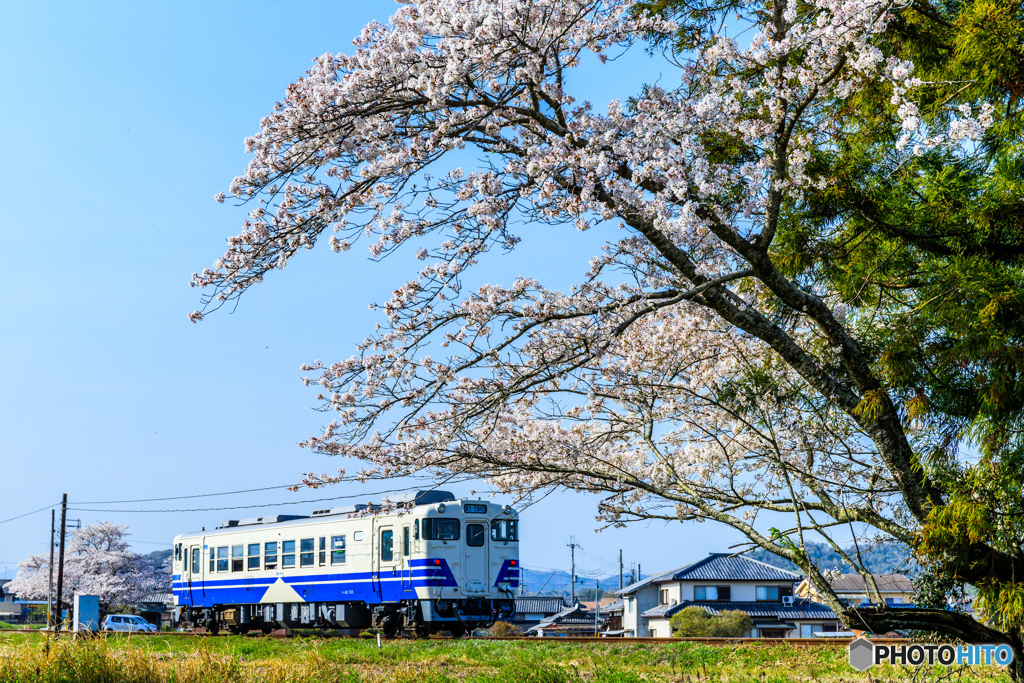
(353, 586)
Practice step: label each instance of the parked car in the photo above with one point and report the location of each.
(126, 622)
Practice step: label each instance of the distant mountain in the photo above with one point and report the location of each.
(157, 557)
(558, 582)
(886, 558)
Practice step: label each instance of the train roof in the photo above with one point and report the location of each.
(415, 498)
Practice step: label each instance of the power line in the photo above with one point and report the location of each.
(47, 507)
(198, 495)
(247, 507)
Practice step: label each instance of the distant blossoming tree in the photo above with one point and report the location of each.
(724, 355)
(97, 561)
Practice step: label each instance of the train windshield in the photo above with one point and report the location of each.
(504, 530)
(441, 529)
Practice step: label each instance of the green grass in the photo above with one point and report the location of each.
(178, 659)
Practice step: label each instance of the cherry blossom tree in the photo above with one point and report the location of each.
(689, 374)
(97, 561)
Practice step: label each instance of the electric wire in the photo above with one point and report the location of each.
(246, 507)
(198, 495)
(46, 507)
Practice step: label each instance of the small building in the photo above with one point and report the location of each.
(9, 610)
(895, 589)
(572, 621)
(533, 609)
(723, 581)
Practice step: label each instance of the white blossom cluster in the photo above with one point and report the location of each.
(663, 378)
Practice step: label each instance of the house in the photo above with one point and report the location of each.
(895, 589)
(612, 614)
(572, 621)
(723, 581)
(533, 609)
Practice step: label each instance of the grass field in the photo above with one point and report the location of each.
(124, 659)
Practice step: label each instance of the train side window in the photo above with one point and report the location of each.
(504, 530)
(405, 541)
(270, 555)
(306, 549)
(213, 560)
(254, 556)
(475, 535)
(197, 560)
(222, 558)
(337, 550)
(287, 554)
(323, 551)
(416, 529)
(357, 536)
(387, 545)
(237, 558)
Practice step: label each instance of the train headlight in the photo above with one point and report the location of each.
(440, 507)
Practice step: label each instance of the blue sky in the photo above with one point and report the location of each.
(123, 120)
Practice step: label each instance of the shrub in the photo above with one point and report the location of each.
(503, 629)
(696, 622)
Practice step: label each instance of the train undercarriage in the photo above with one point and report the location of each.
(420, 618)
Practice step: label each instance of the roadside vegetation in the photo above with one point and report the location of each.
(125, 659)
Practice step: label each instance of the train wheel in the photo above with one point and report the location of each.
(421, 629)
(234, 630)
(457, 630)
(267, 629)
(213, 627)
(389, 627)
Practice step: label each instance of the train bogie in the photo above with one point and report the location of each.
(437, 564)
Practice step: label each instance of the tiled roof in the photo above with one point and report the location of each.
(570, 615)
(726, 567)
(540, 604)
(886, 582)
(718, 567)
(616, 606)
(800, 609)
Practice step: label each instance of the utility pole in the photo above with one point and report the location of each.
(60, 565)
(620, 568)
(597, 604)
(49, 594)
(572, 544)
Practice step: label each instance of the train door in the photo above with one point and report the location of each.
(475, 567)
(406, 552)
(193, 571)
(387, 561)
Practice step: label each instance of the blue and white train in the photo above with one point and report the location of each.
(440, 564)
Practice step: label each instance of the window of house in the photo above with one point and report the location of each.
(441, 529)
(270, 555)
(712, 592)
(237, 558)
(323, 550)
(306, 552)
(254, 556)
(894, 601)
(475, 534)
(387, 540)
(337, 550)
(773, 593)
(663, 600)
(222, 558)
(287, 554)
(808, 630)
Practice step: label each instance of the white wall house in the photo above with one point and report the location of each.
(894, 589)
(725, 582)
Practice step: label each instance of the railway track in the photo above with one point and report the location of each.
(725, 642)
